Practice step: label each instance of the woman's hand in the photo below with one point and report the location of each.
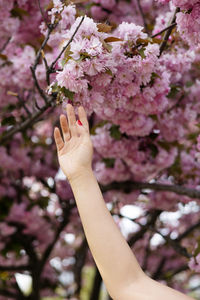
(75, 149)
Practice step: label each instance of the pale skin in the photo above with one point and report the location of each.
(121, 273)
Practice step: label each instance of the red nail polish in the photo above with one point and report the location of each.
(79, 123)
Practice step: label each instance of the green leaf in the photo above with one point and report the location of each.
(68, 94)
(100, 124)
(41, 202)
(55, 88)
(3, 56)
(153, 136)
(141, 52)
(107, 46)
(175, 89)
(109, 72)
(115, 133)
(8, 121)
(197, 250)
(19, 12)
(193, 136)
(109, 162)
(176, 169)
(153, 78)
(9, 107)
(25, 136)
(165, 145)
(89, 87)
(154, 150)
(5, 204)
(63, 62)
(83, 56)
(154, 117)
(189, 83)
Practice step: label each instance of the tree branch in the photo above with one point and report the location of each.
(175, 245)
(168, 276)
(50, 247)
(48, 101)
(187, 231)
(7, 293)
(22, 102)
(158, 271)
(128, 186)
(96, 286)
(80, 257)
(15, 268)
(150, 223)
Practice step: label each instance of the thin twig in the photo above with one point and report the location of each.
(40, 90)
(34, 66)
(64, 48)
(168, 32)
(50, 29)
(5, 44)
(42, 13)
(158, 33)
(5, 137)
(24, 105)
(47, 69)
(187, 231)
(49, 101)
(142, 15)
(174, 244)
(165, 29)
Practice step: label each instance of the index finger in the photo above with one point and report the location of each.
(83, 117)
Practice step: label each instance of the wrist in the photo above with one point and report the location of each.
(80, 175)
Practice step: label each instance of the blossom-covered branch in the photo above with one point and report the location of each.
(49, 101)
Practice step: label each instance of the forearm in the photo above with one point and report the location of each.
(119, 268)
(114, 258)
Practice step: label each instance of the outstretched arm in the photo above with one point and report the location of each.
(115, 260)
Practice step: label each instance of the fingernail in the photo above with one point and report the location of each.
(79, 123)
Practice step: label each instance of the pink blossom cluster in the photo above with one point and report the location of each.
(194, 263)
(120, 11)
(133, 159)
(99, 70)
(8, 25)
(64, 17)
(145, 111)
(185, 4)
(34, 223)
(188, 22)
(163, 1)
